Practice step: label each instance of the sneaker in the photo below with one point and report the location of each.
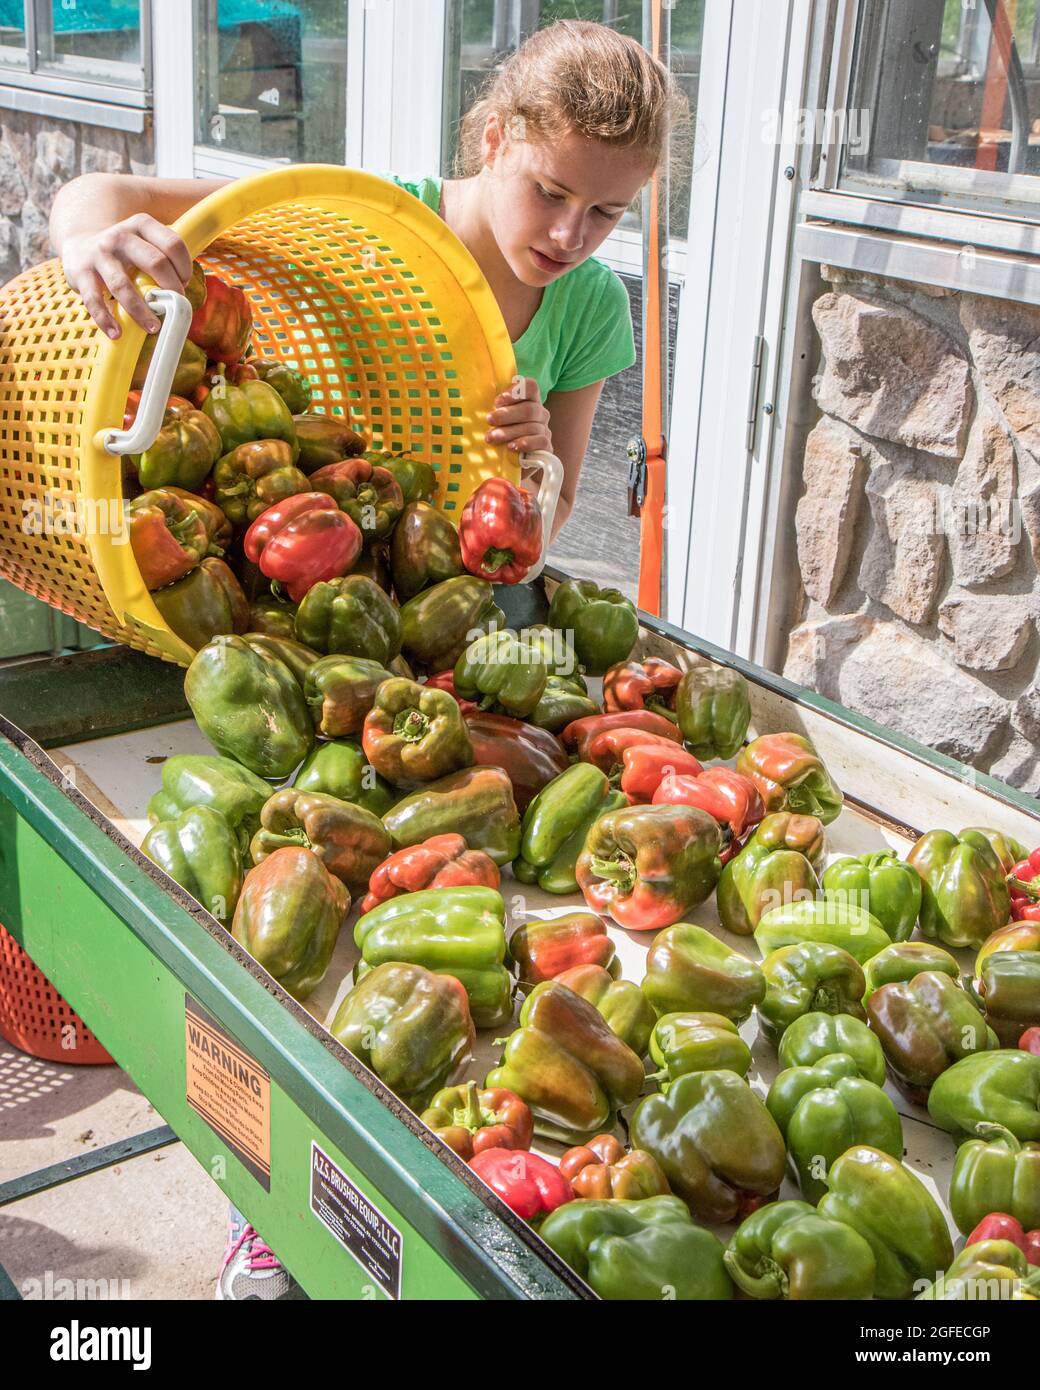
(251, 1269)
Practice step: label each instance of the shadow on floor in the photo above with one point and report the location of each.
(35, 1094)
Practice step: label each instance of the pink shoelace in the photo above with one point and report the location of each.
(260, 1255)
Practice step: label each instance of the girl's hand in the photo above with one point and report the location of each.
(107, 260)
(519, 418)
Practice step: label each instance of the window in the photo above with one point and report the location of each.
(90, 48)
(271, 78)
(944, 104)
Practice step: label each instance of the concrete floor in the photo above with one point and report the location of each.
(150, 1228)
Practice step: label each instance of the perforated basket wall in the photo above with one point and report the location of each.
(351, 279)
(35, 1018)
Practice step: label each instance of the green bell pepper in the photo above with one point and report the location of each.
(685, 1042)
(197, 779)
(339, 768)
(502, 672)
(881, 882)
(416, 478)
(834, 923)
(994, 1172)
(564, 699)
(293, 654)
(424, 550)
(350, 841)
(621, 1002)
(476, 803)
(182, 454)
(925, 1025)
(556, 824)
(411, 1027)
(713, 708)
(638, 1251)
(1008, 988)
(254, 477)
(340, 691)
(964, 895)
(777, 867)
(274, 616)
(451, 931)
(688, 970)
(818, 1035)
(791, 776)
(824, 1109)
(893, 1210)
(325, 439)
(249, 706)
(717, 1143)
(350, 616)
(788, 1250)
(987, 1270)
(1001, 1088)
(252, 411)
(201, 852)
(903, 960)
(603, 622)
(811, 977)
(415, 734)
(290, 383)
(206, 603)
(439, 624)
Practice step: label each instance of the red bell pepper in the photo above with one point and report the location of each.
(730, 797)
(649, 684)
(470, 1120)
(646, 764)
(999, 1226)
(530, 757)
(302, 541)
(606, 750)
(1024, 886)
(529, 1185)
(445, 680)
(442, 861)
(175, 405)
(168, 537)
(578, 734)
(1030, 1041)
(544, 948)
(223, 322)
(500, 532)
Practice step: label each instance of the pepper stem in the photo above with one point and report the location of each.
(1031, 891)
(474, 1119)
(411, 725)
(621, 871)
(494, 560)
(990, 1132)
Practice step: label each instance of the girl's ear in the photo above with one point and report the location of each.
(492, 139)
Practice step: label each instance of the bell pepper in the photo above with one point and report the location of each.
(288, 917)
(881, 882)
(578, 736)
(727, 796)
(568, 1064)
(1008, 989)
(445, 680)
(340, 691)
(1024, 887)
(273, 616)
(201, 852)
(1008, 850)
(837, 923)
(818, 1035)
(717, 1143)
(827, 1108)
(1000, 1087)
(416, 478)
(290, 383)
(339, 768)
(470, 1120)
(1018, 935)
(532, 757)
(302, 541)
(197, 779)
(501, 672)
(443, 861)
(1030, 1041)
(529, 1185)
(500, 532)
(253, 477)
(602, 1170)
(350, 841)
(621, 1002)
(644, 1251)
(324, 439)
(182, 453)
(789, 1251)
(453, 931)
(563, 701)
(288, 651)
(646, 765)
(218, 528)
(424, 550)
(413, 735)
(903, 960)
(713, 708)
(603, 622)
(556, 824)
(964, 895)
(646, 866)
(409, 1026)
(689, 970)
(190, 369)
(438, 624)
(218, 377)
(374, 564)
(647, 684)
(998, 1225)
(606, 750)
(223, 322)
(249, 706)
(811, 977)
(925, 1025)
(206, 603)
(995, 1173)
(986, 1270)
(893, 1210)
(686, 1042)
(350, 616)
(791, 776)
(251, 413)
(775, 868)
(168, 538)
(544, 948)
(369, 495)
(477, 803)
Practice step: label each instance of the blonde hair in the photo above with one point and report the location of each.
(582, 77)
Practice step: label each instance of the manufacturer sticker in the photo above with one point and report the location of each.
(357, 1223)
(229, 1090)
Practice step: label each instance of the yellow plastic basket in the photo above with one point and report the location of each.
(352, 280)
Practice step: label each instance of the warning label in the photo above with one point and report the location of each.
(229, 1090)
(358, 1225)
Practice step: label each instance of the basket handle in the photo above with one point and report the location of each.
(176, 314)
(547, 495)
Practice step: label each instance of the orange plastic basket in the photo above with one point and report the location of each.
(35, 1018)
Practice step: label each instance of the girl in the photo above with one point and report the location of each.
(565, 135)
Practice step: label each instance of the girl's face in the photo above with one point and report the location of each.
(554, 205)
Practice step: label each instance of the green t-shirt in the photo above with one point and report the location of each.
(582, 330)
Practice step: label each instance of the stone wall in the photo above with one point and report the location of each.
(37, 155)
(918, 530)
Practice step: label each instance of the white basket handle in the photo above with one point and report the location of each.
(176, 314)
(547, 495)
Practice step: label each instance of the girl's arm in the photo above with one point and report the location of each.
(570, 418)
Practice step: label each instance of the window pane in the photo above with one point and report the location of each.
(12, 30)
(91, 39)
(272, 78)
(944, 101)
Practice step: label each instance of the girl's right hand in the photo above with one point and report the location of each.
(96, 262)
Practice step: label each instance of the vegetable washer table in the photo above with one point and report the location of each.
(357, 1197)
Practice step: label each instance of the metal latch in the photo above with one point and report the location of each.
(637, 478)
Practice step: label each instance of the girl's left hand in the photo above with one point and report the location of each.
(519, 418)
